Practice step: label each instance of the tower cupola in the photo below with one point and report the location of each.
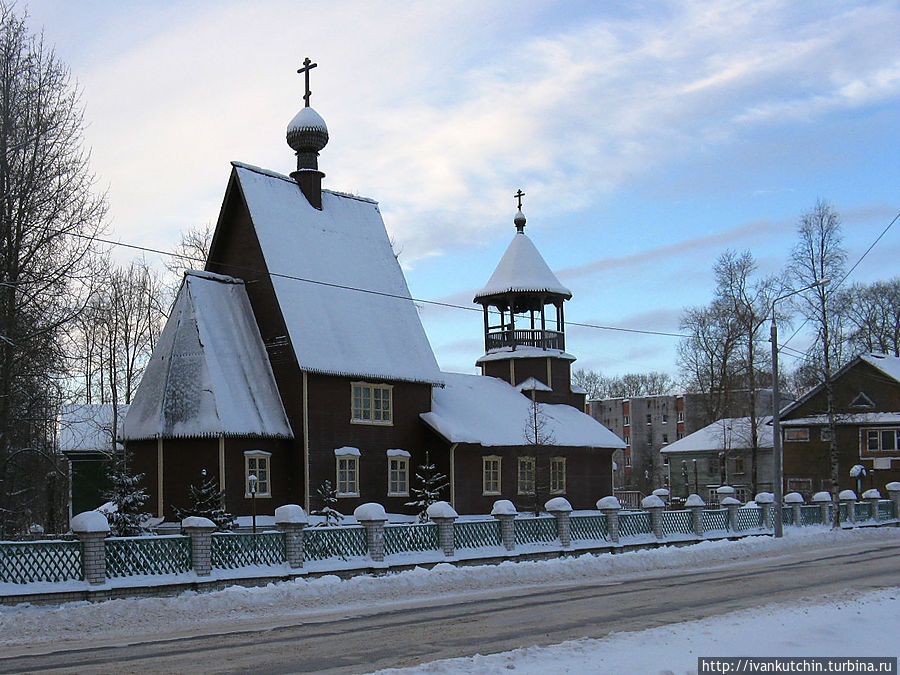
(307, 135)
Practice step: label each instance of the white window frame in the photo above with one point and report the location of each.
(626, 420)
(525, 476)
(798, 431)
(487, 480)
(879, 437)
(346, 460)
(263, 473)
(680, 416)
(558, 471)
(398, 464)
(363, 409)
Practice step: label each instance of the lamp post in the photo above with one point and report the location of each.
(777, 454)
(252, 480)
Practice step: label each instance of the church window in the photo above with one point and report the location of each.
(490, 475)
(256, 463)
(398, 473)
(371, 403)
(557, 475)
(347, 460)
(526, 475)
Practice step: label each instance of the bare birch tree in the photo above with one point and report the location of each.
(49, 215)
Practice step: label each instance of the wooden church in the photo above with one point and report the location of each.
(298, 356)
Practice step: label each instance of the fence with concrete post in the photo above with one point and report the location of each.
(893, 490)
(795, 501)
(695, 505)
(848, 499)
(609, 506)
(200, 531)
(823, 501)
(655, 506)
(372, 516)
(505, 511)
(291, 520)
(766, 502)
(91, 528)
(444, 516)
(562, 511)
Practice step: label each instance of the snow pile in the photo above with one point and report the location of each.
(871, 494)
(793, 498)
(90, 521)
(197, 521)
(695, 500)
(847, 495)
(652, 502)
(558, 504)
(609, 502)
(290, 513)
(503, 507)
(822, 497)
(369, 511)
(441, 510)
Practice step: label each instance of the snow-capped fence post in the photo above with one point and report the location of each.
(848, 497)
(444, 516)
(562, 511)
(893, 490)
(795, 501)
(373, 517)
(872, 496)
(504, 511)
(732, 505)
(655, 506)
(200, 531)
(291, 520)
(696, 505)
(766, 502)
(91, 528)
(610, 507)
(823, 499)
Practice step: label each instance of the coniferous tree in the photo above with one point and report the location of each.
(207, 501)
(127, 516)
(431, 485)
(328, 496)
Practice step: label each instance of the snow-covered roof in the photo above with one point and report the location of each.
(88, 427)
(209, 374)
(356, 318)
(487, 410)
(889, 365)
(728, 433)
(522, 268)
(523, 352)
(843, 419)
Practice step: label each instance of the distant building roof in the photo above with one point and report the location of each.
(355, 316)
(728, 433)
(488, 411)
(209, 374)
(88, 427)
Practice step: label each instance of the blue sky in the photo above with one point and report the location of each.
(647, 136)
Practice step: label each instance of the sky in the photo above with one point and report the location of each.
(648, 137)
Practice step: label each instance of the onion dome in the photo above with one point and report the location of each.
(307, 132)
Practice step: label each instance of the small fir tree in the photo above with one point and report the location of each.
(207, 501)
(328, 497)
(126, 517)
(430, 485)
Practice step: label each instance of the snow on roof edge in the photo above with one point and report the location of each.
(275, 174)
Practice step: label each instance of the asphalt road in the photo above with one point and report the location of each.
(405, 635)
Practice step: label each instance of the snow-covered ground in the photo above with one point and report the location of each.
(862, 627)
(865, 626)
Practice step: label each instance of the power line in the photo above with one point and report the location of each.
(436, 303)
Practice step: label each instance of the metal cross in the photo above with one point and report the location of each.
(307, 66)
(519, 196)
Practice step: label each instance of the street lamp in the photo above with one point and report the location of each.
(777, 454)
(252, 480)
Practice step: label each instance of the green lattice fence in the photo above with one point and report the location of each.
(844, 516)
(589, 528)
(863, 512)
(633, 524)
(23, 562)
(130, 556)
(715, 520)
(886, 509)
(535, 530)
(476, 533)
(810, 515)
(320, 543)
(676, 522)
(787, 515)
(230, 551)
(414, 537)
(749, 519)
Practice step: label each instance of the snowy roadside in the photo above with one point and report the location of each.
(863, 626)
(303, 599)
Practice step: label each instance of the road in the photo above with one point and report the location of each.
(412, 633)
